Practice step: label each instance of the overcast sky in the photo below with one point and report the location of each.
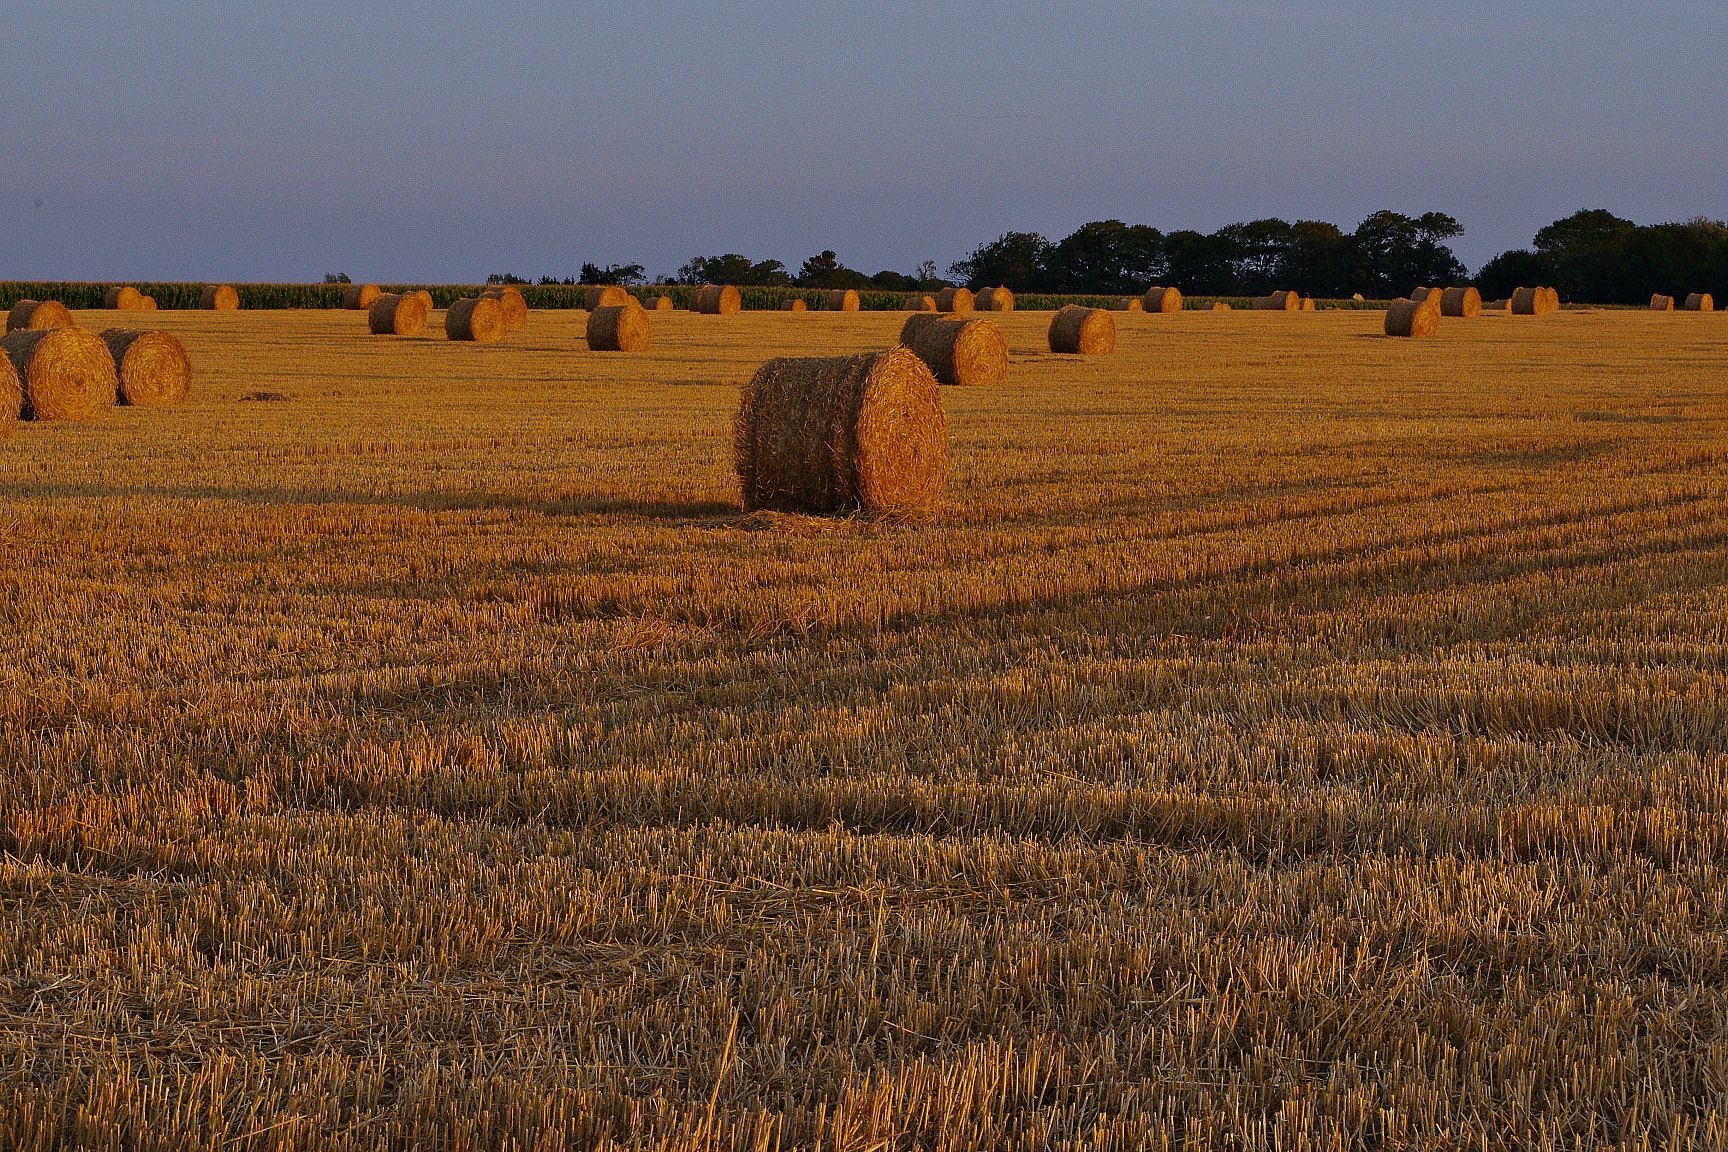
(443, 141)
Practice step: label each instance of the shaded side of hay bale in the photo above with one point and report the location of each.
(1161, 299)
(957, 351)
(842, 434)
(1464, 303)
(38, 316)
(1278, 302)
(1083, 331)
(1700, 302)
(918, 304)
(841, 300)
(719, 300)
(618, 328)
(152, 367)
(1131, 304)
(605, 296)
(123, 299)
(1414, 318)
(11, 397)
(795, 304)
(476, 318)
(359, 297)
(64, 373)
(223, 298)
(995, 300)
(1420, 295)
(661, 303)
(513, 304)
(1660, 303)
(956, 300)
(392, 315)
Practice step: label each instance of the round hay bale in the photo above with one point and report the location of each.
(1465, 303)
(1308, 305)
(1083, 331)
(424, 297)
(1220, 306)
(796, 304)
(842, 434)
(64, 373)
(1414, 318)
(918, 304)
(995, 300)
(661, 304)
(719, 300)
(1359, 298)
(1160, 299)
(1131, 304)
(476, 318)
(223, 298)
(841, 300)
(956, 300)
(1534, 302)
(152, 367)
(39, 316)
(957, 351)
(618, 328)
(514, 304)
(1278, 302)
(359, 297)
(149, 304)
(605, 296)
(123, 299)
(11, 397)
(1661, 303)
(1700, 302)
(1420, 295)
(392, 315)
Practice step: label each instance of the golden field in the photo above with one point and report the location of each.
(1285, 738)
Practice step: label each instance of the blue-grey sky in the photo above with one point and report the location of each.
(448, 139)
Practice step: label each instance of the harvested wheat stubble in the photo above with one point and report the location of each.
(605, 296)
(1699, 302)
(841, 300)
(65, 373)
(359, 297)
(1660, 303)
(995, 300)
(1464, 303)
(11, 397)
(1534, 302)
(1076, 330)
(514, 305)
(151, 367)
(957, 351)
(123, 299)
(1131, 304)
(843, 434)
(38, 315)
(476, 318)
(1278, 302)
(1414, 318)
(918, 304)
(661, 304)
(796, 304)
(719, 300)
(957, 300)
(224, 298)
(1161, 299)
(392, 315)
(618, 328)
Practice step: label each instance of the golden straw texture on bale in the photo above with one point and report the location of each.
(1420, 295)
(850, 433)
(1308, 305)
(1414, 318)
(842, 300)
(618, 328)
(424, 297)
(1083, 331)
(11, 397)
(661, 304)
(476, 318)
(1278, 302)
(956, 300)
(957, 351)
(152, 367)
(1700, 302)
(605, 296)
(223, 298)
(1661, 303)
(359, 297)
(1534, 302)
(719, 300)
(148, 304)
(123, 299)
(514, 305)
(795, 304)
(1161, 299)
(1220, 306)
(65, 373)
(918, 304)
(1131, 304)
(995, 300)
(38, 316)
(392, 315)
(1465, 303)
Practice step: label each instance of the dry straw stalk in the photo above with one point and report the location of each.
(957, 351)
(151, 367)
(1083, 331)
(65, 373)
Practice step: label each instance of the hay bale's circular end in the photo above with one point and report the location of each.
(957, 350)
(956, 300)
(795, 304)
(719, 300)
(149, 304)
(1414, 318)
(1700, 302)
(514, 305)
(223, 298)
(843, 434)
(392, 315)
(1308, 305)
(424, 297)
(152, 367)
(995, 300)
(618, 328)
(39, 316)
(918, 304)
(123, 299)
(842, 300)
(661, 304)
(604, 296)
(1462, 303)
(1659, 303)
(64, 373)
(1083, 331)
(359, 297)
(1161, 299)
(479, 319)
(1534, 302)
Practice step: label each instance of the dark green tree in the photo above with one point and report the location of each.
(1015, 259)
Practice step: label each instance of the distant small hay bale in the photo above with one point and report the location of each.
(1420, 295)
(514, 304)
(1278, 302)
(123, 299)
(918, 304)
(1699, 302)
(1131, 304)
(359, 297)
(1359, 298)
(957, 351)
(994, 300)
(65, 373)
(392, 315)
(605, 296)
(1534, 302)
(661, 304)
(152, 367)
(1464, 303)
(1162, 300)
(841, 300)
(11, 397)
(849, 433)
(618, 328)
(1220, 306)
(1661, 303)
(1083, 331)
(795, 304)
(1308, 305)
(719, 300)
(39, 316)
(149, 304)
(223, 298)
(956, 300)
(1414, 318)
(476, 318)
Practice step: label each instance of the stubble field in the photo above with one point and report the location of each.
(1285, 737)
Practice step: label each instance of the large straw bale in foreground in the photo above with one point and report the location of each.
(151, 367)
(957, 350)
(1083, 331)
(359, 297)
(38, 316)
(1414, 318)
(849, 433)
(513, 304)
(219, 298)
(392, 315)
(123, 299)
(994, 300)
(618, 328)
(1700, 302)
(1463, 303)
(842, 300)
(956, 300)
(1161, 299)
(64, 373)
(1278, 302)
(605, 296)
(476, 318)
(11, 397)
(719, 300)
